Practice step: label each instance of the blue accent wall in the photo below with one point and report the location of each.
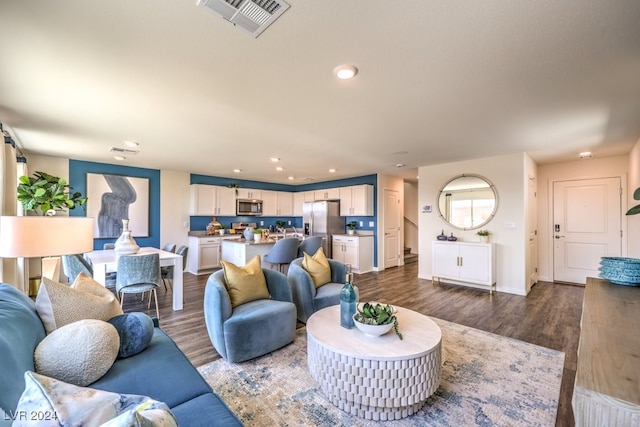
(78, 171)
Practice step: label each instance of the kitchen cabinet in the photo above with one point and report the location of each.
(327, 194)
(204, 254)
(356, 200)
(464, 263)
(208, 200)
(354, 250)
(299, 199)
(277, 203)
(248, 193)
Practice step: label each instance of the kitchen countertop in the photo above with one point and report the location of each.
(252, 242)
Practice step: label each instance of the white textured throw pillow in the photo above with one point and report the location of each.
(59, 304)
(79, 353)
(57, 403)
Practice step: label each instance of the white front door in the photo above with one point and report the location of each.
(586, 226)
(391, 228)
(532, 225)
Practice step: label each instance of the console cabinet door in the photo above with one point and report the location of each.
(475, 261)
(446, 259)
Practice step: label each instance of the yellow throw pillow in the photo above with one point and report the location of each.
(318, 267)
(59, 304)
(247, 283)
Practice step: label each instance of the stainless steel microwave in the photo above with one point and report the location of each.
(248, 207)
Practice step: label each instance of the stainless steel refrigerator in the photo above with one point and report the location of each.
(322, 218)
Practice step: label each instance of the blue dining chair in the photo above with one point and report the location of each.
(309, 245)
(167, 272)
(139, 274)
(283, 252)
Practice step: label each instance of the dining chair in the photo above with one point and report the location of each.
(283, 252)
(309, 245)
(169, 247)
(139, 274)
(108, 246)
(167, 272)
(75, 264)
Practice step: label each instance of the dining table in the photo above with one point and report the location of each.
(106, 261)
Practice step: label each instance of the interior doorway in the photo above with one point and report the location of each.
(586, 226)
(391, 226)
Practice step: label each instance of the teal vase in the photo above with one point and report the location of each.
(348, 301)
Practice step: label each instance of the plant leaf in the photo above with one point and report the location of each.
(636, 194)
(634, 210)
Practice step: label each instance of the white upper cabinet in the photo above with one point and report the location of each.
(299, 199)
(277, 203)
(248, 193)
(356, 200)
(327, 194)
(212, 200)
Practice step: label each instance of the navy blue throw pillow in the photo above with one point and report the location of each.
(135, 330)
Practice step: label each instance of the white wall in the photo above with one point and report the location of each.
(509, 175)
(616, 166)
(394, 183)
(174, 207)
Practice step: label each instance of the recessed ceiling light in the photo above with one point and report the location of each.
(237, 170)
(400, 165)
(332, 170)
(279, 168)
(120, 157)
(290, 178)
(131, 143)
(275, 159)
(585, 155)
(345, 71)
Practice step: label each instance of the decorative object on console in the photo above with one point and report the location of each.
(452, 238)
(484, 235)
(441, 236)
(126, 245)
(620, 270)
(40, 236)
(376, 320)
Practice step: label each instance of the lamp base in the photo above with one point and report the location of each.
(51, 268)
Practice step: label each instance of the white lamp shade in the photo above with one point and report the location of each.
(41, 236)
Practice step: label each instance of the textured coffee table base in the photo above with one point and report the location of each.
(371, 389)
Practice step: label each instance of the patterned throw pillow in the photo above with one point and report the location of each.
(58, 403)
(135, 330)
(318, 267)
(59, 304)
(245, 284)
(79, 353)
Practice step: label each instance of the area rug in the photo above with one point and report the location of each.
(487, 380)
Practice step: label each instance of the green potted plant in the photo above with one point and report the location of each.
(484, 235)
(257, 234)
(47, 193)
(351, 227)
(376, 319)
(235, 186)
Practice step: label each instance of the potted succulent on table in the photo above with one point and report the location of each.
(484, 235)
(351, 227)
(376, 320)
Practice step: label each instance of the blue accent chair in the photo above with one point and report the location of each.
(251, 329)
(309, 299)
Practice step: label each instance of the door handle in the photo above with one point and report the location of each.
(557, 237)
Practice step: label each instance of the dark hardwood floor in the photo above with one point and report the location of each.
(549, 316)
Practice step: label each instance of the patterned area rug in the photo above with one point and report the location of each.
(487, 380)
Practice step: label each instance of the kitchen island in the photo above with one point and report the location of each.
(240, 251)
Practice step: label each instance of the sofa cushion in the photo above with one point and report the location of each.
(199, 411)
(245, 284)
(135, 331)
(318, 267)
(78, 353)
(67, 404)
(59, 304)
(20, 332)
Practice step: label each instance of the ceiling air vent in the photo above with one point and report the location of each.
(123, 151)
(252, 16)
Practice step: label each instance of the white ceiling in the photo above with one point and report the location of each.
(439, 81)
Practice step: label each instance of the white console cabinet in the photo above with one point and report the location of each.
(465, 263)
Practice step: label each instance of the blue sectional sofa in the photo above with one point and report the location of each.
(161, 371)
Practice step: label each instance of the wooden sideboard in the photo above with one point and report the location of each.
(607, 386)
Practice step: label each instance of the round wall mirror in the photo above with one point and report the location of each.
(468, 201)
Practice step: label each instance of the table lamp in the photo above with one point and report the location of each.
(43, 236)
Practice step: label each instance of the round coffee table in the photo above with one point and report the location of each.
(376, 378)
